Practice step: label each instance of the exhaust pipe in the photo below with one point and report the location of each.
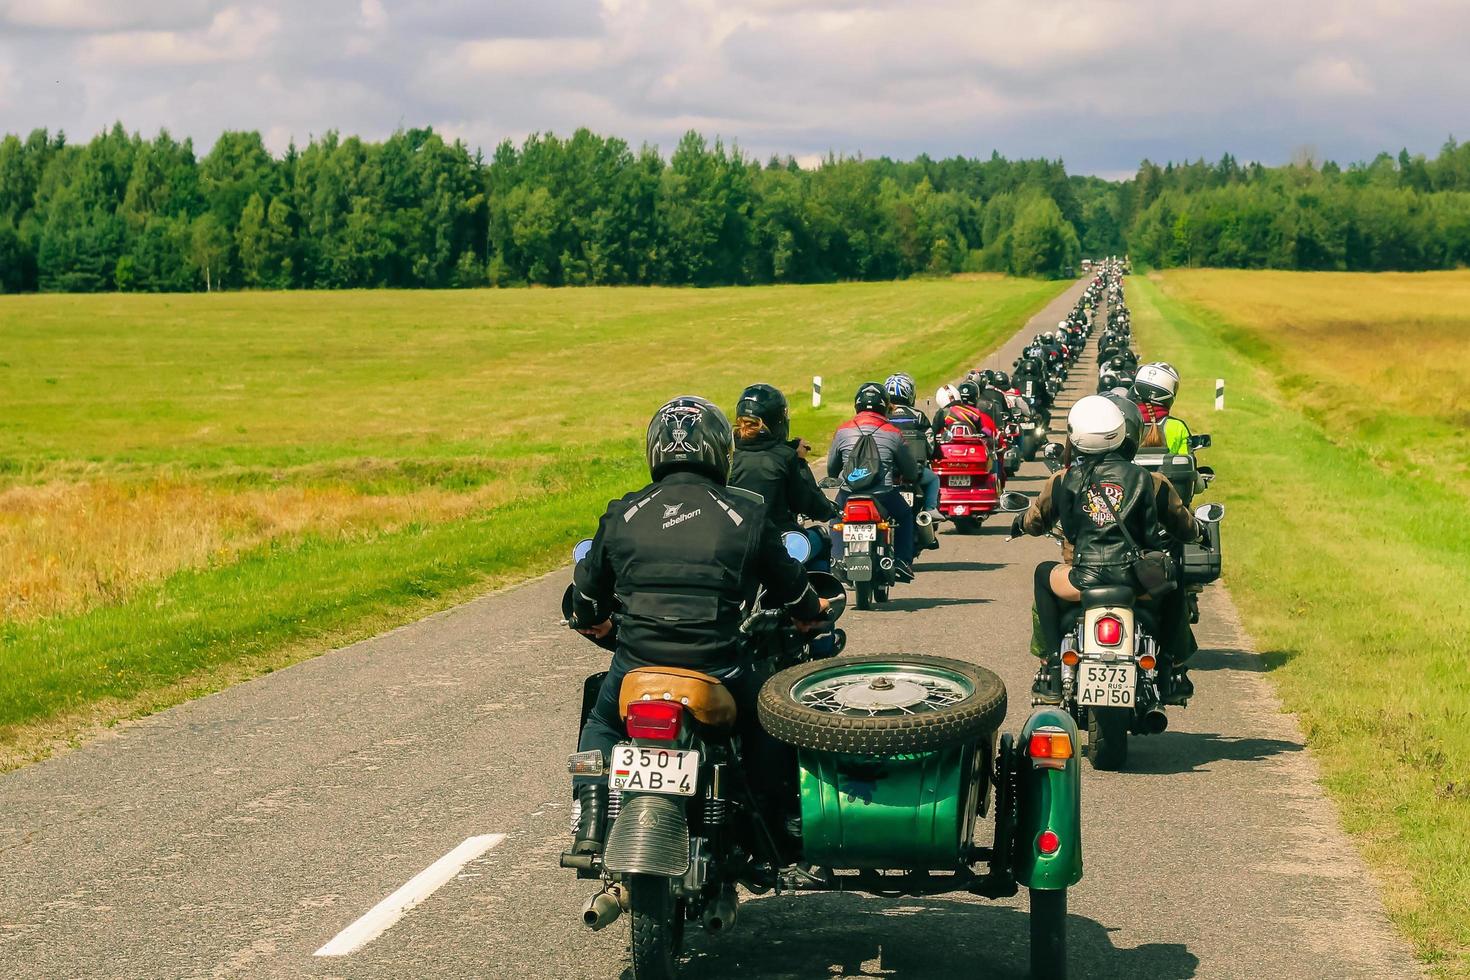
(720, 914)
(1155, 721)
(603, 908)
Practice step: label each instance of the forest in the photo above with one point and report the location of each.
(126, 213)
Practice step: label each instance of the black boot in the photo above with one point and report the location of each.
(591, 820)
(1180, 688)
(1047, 687)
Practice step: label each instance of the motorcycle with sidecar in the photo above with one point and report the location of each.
(872, 773)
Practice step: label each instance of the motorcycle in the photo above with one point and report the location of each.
(890, 763)
(971, 477)
(868, 562)
(1199, 560)
(1112, 679)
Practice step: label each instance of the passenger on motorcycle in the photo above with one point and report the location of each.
(965, 412)
(766, 461)
(680, 559)
(1073, 502)
(1154, 389)
(917, 432)
(899, 466)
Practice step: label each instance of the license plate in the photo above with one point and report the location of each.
(639, 769)
(859, 532)
(959, 481)
(1106, 685)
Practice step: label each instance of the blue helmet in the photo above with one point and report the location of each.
(900, 389)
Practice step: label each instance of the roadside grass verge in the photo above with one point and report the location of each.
(196, 489)
(1348, 550)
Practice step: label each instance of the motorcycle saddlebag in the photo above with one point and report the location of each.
(1202, 565)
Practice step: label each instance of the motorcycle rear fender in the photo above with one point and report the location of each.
(1049, 799)
(649, 837)
(1090, 646)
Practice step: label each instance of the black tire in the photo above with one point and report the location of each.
(1107, 739)
(1048, 934)
(880, 594)
(864, 592)
(975, 718)
(657, 928)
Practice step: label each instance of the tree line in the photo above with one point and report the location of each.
(126, 213)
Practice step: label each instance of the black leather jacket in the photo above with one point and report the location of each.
(683, 556)
(771, 468)
(1087, 522)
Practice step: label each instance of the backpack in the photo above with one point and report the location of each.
(863, 470)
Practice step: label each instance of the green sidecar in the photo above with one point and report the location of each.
(899, 763)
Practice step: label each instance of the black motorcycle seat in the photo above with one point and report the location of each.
(1108, 595)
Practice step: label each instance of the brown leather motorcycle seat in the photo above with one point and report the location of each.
(706, 698)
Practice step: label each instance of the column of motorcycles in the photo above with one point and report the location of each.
(896, 757)
(1114, 676)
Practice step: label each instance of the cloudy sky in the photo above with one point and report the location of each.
(1100, 84)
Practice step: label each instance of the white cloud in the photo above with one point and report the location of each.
(1100, 83)
(234, 34)
(1332, 77)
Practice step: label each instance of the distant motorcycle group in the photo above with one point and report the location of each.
(728, 745)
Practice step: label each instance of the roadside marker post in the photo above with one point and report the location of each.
(1219, 394)
(816, 391)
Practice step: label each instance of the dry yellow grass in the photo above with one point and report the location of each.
(66, 546)
(1378, 356)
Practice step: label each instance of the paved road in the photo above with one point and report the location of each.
(234, 836)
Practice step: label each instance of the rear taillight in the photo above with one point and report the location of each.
(1108, 631)
(861, 511)
(1049, 748)
(658, 720)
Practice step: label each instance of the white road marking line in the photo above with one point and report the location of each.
(383, 916)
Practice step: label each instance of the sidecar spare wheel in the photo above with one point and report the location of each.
(882, 704)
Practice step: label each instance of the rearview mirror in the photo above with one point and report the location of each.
(1199, 442)
(829, 483)
(1053, 450)
(798, 545)
(1210, 513)
(1014, 502)
(581, 549)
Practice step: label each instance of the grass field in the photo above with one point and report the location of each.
(1344, 459)
(197, 488)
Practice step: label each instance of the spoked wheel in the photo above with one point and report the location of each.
(1048, 934)
(657, 928)
(864, 592)
(1107, 739)
(882, 704)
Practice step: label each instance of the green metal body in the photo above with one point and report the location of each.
(1049, 799)
(910, 811)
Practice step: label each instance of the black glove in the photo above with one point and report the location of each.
(1018, 525)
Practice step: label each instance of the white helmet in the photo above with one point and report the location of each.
(1061, 324)
(1156, 383)
(946, 396)
(1095, 425)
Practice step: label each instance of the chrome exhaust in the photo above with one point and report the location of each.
(720, 914)
(603, 908)
(1155, 721)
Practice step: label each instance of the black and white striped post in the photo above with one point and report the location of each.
(817, 391)
(1219, 394)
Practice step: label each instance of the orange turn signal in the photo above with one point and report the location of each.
(1070, 658)
(1050, 747)
(1147, 661)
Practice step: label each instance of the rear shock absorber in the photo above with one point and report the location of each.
(716, 807)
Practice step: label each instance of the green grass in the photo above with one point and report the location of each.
(1350, 561)
(197, 488)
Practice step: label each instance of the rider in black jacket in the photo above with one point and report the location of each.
(767, 461)
(681, 559)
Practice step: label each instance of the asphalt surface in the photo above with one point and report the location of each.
(236, 835)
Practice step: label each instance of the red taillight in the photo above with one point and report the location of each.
(862, 511)
(657, 720)
(1108, 631)
(1050, 746)
(1048, 842)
